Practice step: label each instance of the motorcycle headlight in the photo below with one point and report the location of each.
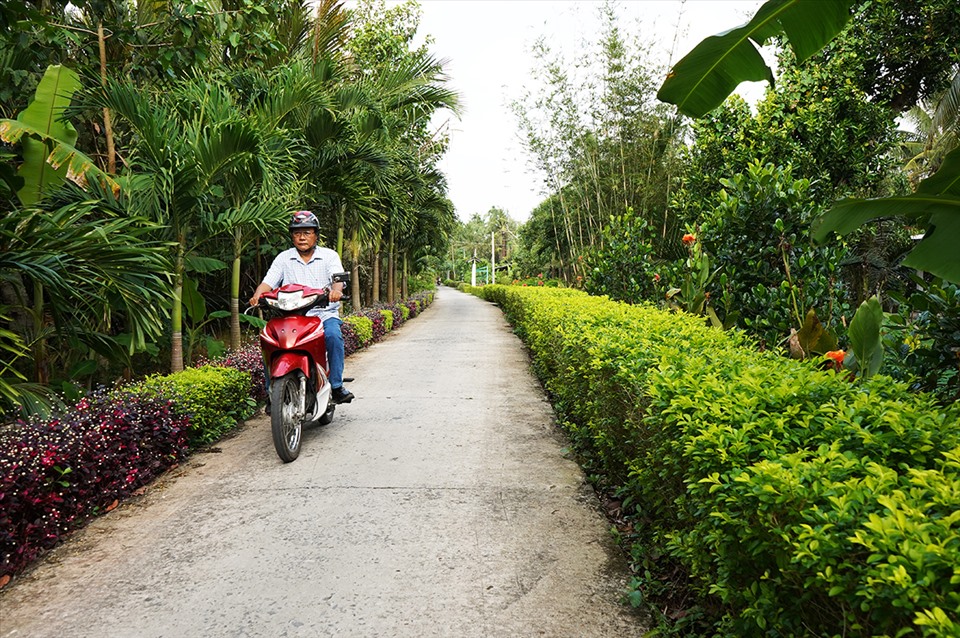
(292, 300)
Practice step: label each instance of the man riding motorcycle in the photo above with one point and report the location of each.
(311, 265)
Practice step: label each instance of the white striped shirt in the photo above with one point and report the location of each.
(288, 268)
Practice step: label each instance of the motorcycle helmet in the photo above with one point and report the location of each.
(304, 219)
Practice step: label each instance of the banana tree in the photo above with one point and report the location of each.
(49, 159)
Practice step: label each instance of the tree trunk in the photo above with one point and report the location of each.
(41, 369)
(404, 290)
(391, 272)
(235, 305)
(356, 301)
(176, 312)
(375, 297)
(107, 126)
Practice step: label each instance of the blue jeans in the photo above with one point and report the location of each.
(335, 354)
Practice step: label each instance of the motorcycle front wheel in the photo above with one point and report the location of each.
(286, 418)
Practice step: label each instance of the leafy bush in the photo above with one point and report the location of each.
(215, 398)
(539, 280)
(387, 319)
(759, 236)
(56, 473)
(924, 343)
(424, 282)
(377, 323)
(797, 503)
(624, 266)
(247, 359)
(351, 342)
(362, 327)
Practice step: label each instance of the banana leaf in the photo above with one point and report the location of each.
(706, 76)
(49, 156)
(935, 205)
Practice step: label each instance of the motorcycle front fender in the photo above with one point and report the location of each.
(287, 362)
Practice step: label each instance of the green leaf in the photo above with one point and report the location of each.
(935, 254)
(256, 322)
(936, 203)
(865, 337)
(83, 369)
(703, 79)
(946, 181)
(937, 251)
(49, 156)
(193, 301)
(204, 265)
(53, 95)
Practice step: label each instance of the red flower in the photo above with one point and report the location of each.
(689, 238)
(656, 277)
(837, 355)
(836, 358)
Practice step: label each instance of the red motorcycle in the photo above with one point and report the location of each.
(295, 353)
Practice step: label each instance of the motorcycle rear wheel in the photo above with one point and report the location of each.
(285, 418)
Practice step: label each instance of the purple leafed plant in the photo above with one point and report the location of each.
(57, 473)
(351, 342)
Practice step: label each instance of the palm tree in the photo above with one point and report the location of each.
(189, 140)
(99, 270)
(938, 131)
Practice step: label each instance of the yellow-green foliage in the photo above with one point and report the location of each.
(387, 320)
(799, 501)
(215, 398)
(404, 311)
(363, 327)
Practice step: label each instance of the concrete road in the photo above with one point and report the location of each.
(439, 503)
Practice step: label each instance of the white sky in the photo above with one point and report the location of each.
(488, 44)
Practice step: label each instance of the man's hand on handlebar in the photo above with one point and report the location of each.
(262, 288)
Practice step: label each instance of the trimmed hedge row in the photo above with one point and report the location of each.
(372, 324)
(799, 503)
(58, 473)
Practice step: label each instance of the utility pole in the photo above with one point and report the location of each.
(493, 257)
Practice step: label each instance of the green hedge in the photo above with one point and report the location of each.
(387, 319)
(363, 327)
(215, 398)
(798, 502)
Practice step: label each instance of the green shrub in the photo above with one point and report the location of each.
(798, 503)
(387, 319)
(214, 398)
(363, 327)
